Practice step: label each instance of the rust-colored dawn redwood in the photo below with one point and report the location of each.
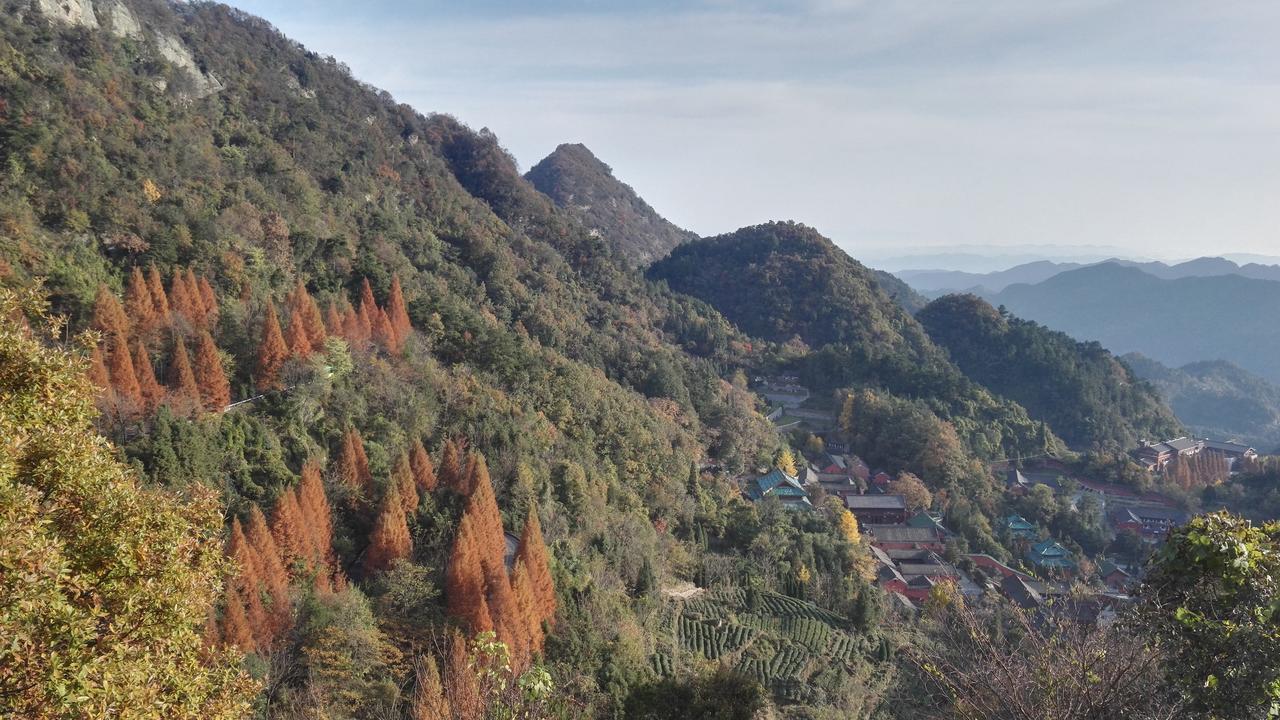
(296, 338)
(98, 369)
(424, 473)
(451, 469)
(272, 351)
(397, 313)
(108, 315)
(124, 380)
(184, 393)
(464, 581)
(533, 553)
(159, 299)
(288, 531)
(138, 303)
(390, 540)
(403, 481)
(211, 378)
(235, 627)
(304, 311)
(152, 391)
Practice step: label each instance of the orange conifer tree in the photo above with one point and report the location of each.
(303, 310)
(151, 389)
(272, 352)
(390, 540)
(247, 583)
(319, 517)
(211, 378)
(464, 581)
(461, 681)
(98, 370)
(367, 303)
(510, 625)
(532, 551)
(210, 301)
(397, 313)
(271, 569)
(355, 332)
(528, 603)
(108, 315)
(402, 480)
(429, 702)
(288, 531)
(124, 380)
(383, 333)
(159, 299)
(197, 300)
(333, 320)
(296, 338)
(482, 507)
(181, 301)
(138, 303)
(353, 463)
(424, 473)
(451, 472)
(235, 627)
(184, 393)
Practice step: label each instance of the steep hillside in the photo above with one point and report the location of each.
(787, 283)
(1174, 321)
(1088, 397)
(212, 198)
(585, 187)
(1217, 399)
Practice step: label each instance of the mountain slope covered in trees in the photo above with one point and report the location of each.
(200, 190)
(1084, 393)
(1175, 321)
(585, 187)
(1217, 399)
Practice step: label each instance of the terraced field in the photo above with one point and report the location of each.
(782, 642)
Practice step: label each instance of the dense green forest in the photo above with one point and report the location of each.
(1089, 398)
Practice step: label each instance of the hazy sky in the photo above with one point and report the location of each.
(1147, 125)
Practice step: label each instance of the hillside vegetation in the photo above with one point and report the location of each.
(1177, 321)
(1085, 394)
(1217, 399)
(585, 187)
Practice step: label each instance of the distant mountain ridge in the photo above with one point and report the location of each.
(936, 282)
(578, 182)
(1175, 321)
(1217, 399)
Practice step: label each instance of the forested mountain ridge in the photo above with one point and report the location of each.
(787, 283)
(283, 190)
(1216, 398)
(1090, 399)
(1175, 321)
(584, 186)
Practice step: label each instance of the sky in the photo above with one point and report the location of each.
(1146, 126)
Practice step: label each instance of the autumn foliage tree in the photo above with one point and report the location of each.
(106, 582)
(424, 473)
(210, 377)
(272, 352)
(184, 392)
(353, 463)
(389, 542)
(532, 551)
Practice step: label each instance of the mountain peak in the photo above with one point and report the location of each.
(582, 184)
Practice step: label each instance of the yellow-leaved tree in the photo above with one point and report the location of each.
(104, 584)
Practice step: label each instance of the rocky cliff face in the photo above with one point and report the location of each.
(117, 18)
